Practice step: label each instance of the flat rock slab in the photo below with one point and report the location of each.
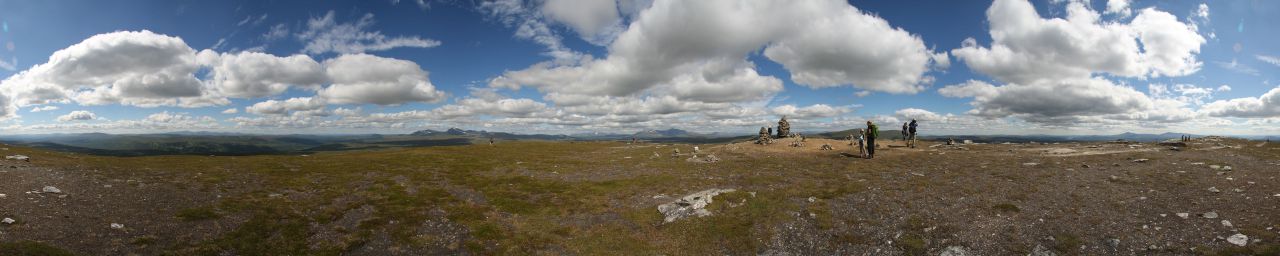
(690, 205)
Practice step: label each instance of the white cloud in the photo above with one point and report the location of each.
(1265, 106)
(132, 68)
(362, 78)
(1269, 59)
(325, 34)
(44, 108)
(231, 111)
(1119, 8)
(1050, 101)
(11, 65)
(696, 51)
(597, 21)
(279, 31)
(1235, 66)
(255, 75)
(78, 115)
(277, 107)
(1223, 88)
(1027, 47)
(812, 111)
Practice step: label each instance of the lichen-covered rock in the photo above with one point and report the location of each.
(690, 205)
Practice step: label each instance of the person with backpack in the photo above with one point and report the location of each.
(862, 148)
(904, 132)
(911, 134)
(872, 133)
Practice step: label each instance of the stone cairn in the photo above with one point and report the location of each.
(764, 138)
(784, 128)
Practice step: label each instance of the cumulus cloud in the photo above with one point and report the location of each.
(255, 75)
(363, 78)
(78, 115)
(812, 111)
(277, 107)
(1118, 7)
(1050, 101)
(324, 35)
(675, 42)
(1027, 47)
(595, 20)
(231, 111)
(133, 68)
(1267, 105)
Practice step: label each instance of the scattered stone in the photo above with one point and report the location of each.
(1115, 178)
(955, 250)
(1215, 167)
(19, 158)
(1140, 160)
(813, 199)
(1086, 166)
(3, 195)
(1226, 223)
(51, 189)
(275, 195)
(1030, 164)
(1238, 239)
(8, 221)
(1210, 215)
(1238, 190)
(1226, 168)
(690, 205)
(1214, 189)
(707, 159)
(1175, 148)
(826, 147)
(1040, 250)
(696, 150)
(1183, 215)
(117, 226)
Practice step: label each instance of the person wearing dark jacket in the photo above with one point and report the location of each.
(872, 133)
(911, 134)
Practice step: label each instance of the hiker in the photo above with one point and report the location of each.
(490, 141)
(911, 134)
(862, 147)
(904, 132)
(872, 133)
(771, 131)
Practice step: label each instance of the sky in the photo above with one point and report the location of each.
(1059, 67)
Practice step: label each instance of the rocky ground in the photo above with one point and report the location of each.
(1213, 196)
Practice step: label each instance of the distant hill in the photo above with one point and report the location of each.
(673, 132)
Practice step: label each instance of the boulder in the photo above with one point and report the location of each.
(690, 205)
(1238, 239)
(955, 250)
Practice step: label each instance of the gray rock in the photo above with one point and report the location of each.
(1238, 239)
(117, 226)
(1184, 215)
(18, 157)
(1040, 250)
(1210, 215)
(1226, 223)
(51, 189)
(1214, 189)
(955, 250)
(1141, 160)
(690, 205)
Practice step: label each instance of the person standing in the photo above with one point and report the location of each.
(912, 134)
(904, 133)
(862, 148)
(872, 133)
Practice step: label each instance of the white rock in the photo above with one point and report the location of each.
(690, 205)
(117, 226)
(1210, 215)
(51, 189)
(1226, 223)
(1215, 167)
(955, 250)
(1238, 239)
(18, 157)
(1040, 250)
(1141, 160)
(1184, 215)
(1226, 168)
(1214, 189)
(813, 199)
(3, 195)
(8, 221)
(1030, 164)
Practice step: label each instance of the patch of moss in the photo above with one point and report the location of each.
(197, 214)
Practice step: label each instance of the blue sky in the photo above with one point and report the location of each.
(571, 66)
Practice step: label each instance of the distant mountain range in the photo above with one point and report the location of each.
(224, 143)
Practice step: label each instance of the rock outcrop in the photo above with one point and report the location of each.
(690, 205)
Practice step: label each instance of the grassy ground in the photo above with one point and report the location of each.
(599, 198)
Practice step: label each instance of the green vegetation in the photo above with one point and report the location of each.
(197, 214)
